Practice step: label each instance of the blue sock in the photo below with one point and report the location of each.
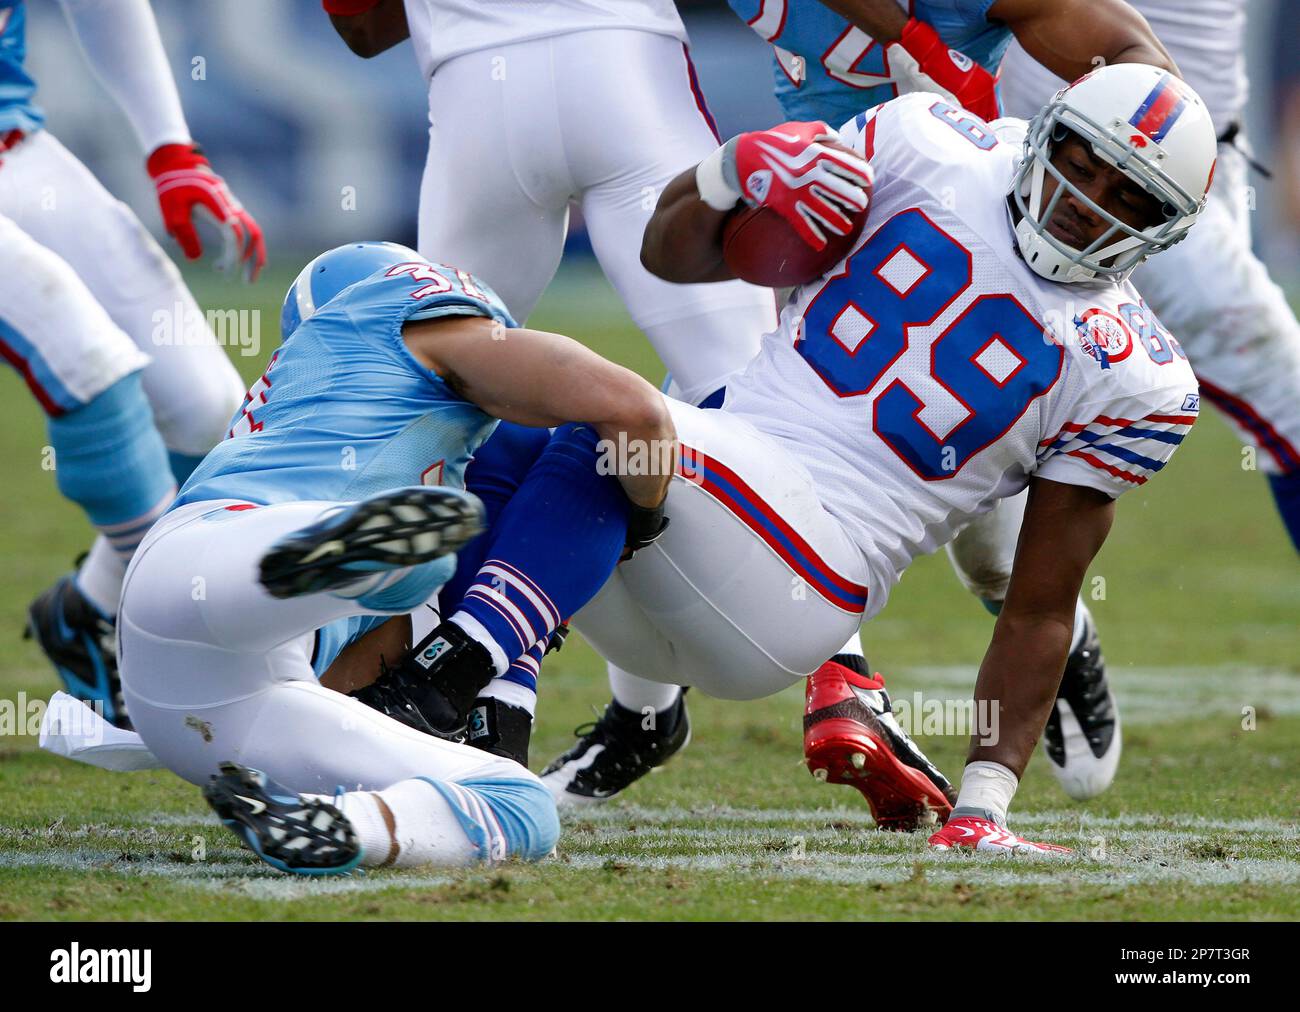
(553, 546)
(499, 467)
(994, 608)
(1286, 493)
(520, 818)
(111, 461)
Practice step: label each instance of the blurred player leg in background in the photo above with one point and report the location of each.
(191, 388)
(105, 451)
(228, 676)
(608, 118)
(1238, 330)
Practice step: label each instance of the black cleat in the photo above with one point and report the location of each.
(614, 752)
(288, 832)
(1082, 737)
(403, 527)
(500, 728)
(434, 684)
(80, 641)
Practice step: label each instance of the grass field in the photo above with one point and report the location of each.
(1199, 622)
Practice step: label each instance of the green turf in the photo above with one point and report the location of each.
(1198, 613)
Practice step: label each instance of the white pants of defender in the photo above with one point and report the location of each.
(215, 669)
(82, 284)
(603, 118)
(711, 603)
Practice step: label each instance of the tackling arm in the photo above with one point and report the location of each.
(369, 27)
(1063, 529)
(1072, 37)
(540, 379)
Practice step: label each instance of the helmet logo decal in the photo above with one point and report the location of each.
(1160, 110)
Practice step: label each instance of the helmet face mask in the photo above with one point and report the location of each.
(1114, 141)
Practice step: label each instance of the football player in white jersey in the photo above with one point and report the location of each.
(532, 107)
(966, 349)
(1235, 322)
(99, 324)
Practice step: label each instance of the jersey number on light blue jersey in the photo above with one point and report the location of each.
(904, 277)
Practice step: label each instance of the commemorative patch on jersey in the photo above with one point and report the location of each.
(1103, 336)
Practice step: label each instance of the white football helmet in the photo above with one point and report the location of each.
(1146, 123)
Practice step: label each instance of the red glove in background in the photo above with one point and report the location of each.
(186, 183)
(922, 61)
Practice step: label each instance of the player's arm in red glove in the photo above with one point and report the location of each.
(368, 27)
(188, 190)
(799, 170)
(1064, 528)
(918, 59)
(122, 45)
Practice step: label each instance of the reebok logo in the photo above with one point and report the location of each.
(960, 60)
(758, 184)
(432, 652)
(102, 966)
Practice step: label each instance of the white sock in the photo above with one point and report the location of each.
(428, 831)
(640, 694)
(362, 810)
(989, 787)
(853, 647)
(474, 629)
(1081, 616)
(100, 576)
(512, 693)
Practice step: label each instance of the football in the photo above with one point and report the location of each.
(763, 248)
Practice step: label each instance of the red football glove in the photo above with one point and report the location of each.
(799, 170)
(990, 838)
(186, 185)
(921, 61)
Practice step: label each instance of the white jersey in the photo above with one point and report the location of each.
(932, 373)
(442, 29)
(1205, 38)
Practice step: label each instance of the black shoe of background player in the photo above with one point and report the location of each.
(500, 728)
(80, 641)
(616, 751)
(1082, 737)
(434, 684)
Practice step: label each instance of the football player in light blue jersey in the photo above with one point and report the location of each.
(336, 501)
(834, 59)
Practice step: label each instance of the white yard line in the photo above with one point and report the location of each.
(1146, 695)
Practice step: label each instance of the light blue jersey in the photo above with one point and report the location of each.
(826, 69)
(344, 410)
(17, 112)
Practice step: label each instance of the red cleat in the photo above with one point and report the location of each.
(979, 834)
(851, 737)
